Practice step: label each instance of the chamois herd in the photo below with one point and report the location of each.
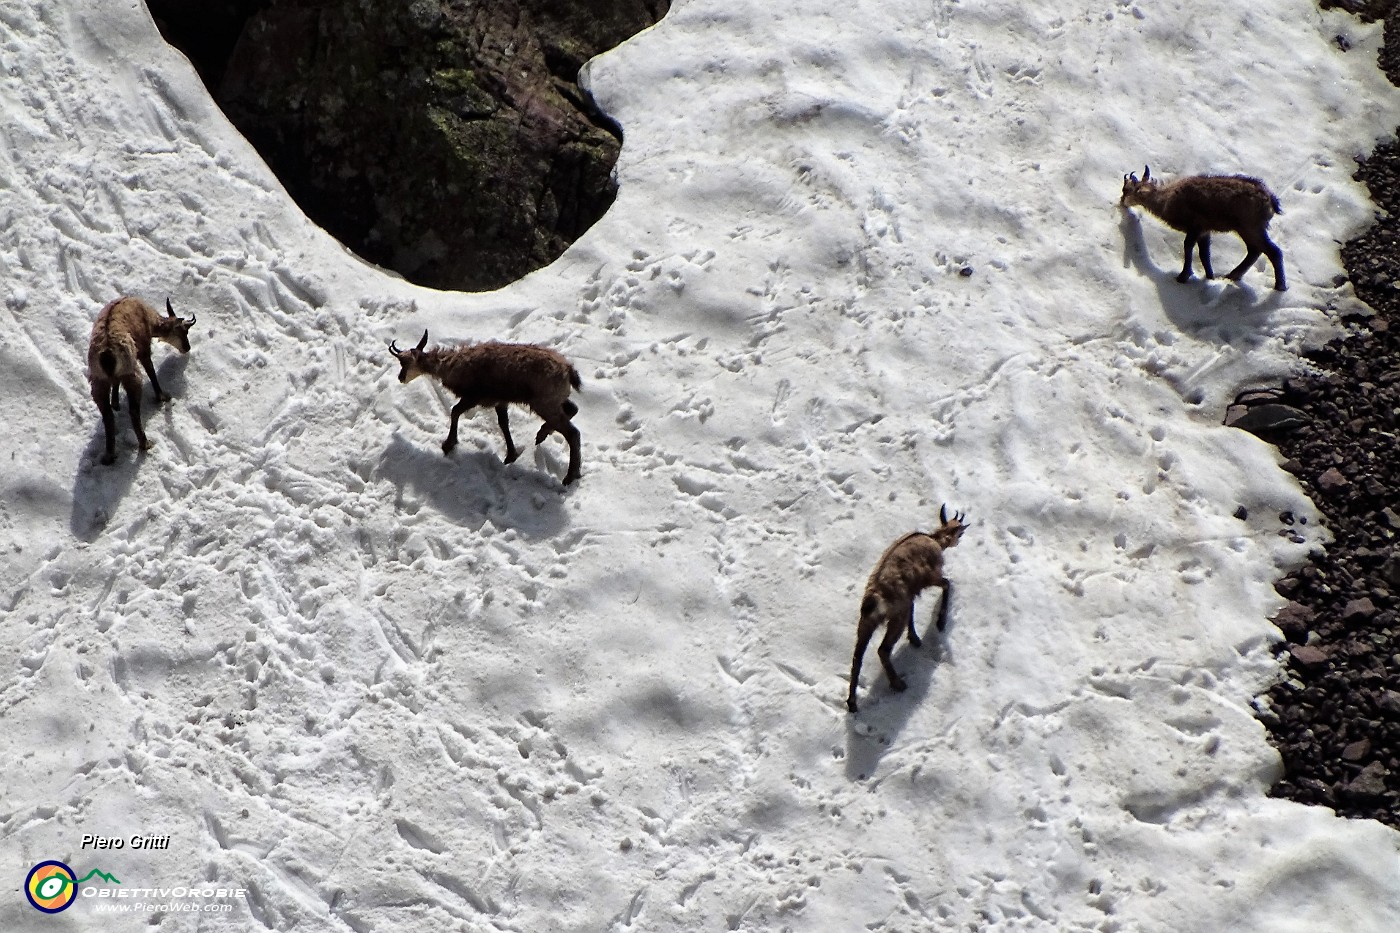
(501, 374)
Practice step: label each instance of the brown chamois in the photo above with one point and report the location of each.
(498, 374)
(1204, 204)
(909, 566)
(121, 338)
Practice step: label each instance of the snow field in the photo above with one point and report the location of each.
(381, 688)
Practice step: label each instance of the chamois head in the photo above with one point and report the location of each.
(173, 330)
(1133, 190)
(408, 359)
(950, 530)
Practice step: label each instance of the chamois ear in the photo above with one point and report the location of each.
(423, 343)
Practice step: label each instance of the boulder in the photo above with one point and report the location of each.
(447, 141)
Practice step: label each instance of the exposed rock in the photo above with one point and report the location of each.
(1332, 480)
(1391, 568)
(1294, 619)
(1265, 419)
(1330, 717)
(1308, 656)
(1357, 751)
(1369, 785)
(444, 139)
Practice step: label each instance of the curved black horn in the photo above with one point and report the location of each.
(169, 311)
(424, 342)
(193, 318)
(394, 348)
(1146, 172)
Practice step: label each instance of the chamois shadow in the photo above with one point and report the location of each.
(884, 713)
(171, 373)
(1209, 309)
(473, 486)
(97, 488)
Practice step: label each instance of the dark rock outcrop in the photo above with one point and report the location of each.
(445, 139)
(1336, 719)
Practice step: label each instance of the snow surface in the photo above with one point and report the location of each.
(384, 690)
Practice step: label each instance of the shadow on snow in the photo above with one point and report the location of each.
(472, 487)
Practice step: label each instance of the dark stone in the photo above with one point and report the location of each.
(1293, 620)
(1307, 656)
(1332, 480)
(1357, 751)
(1242, 513)
(1391, 568)
(448, 141)
(1265, 419)
(1361, 608)
(1369, 785)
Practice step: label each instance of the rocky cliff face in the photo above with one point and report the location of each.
(445, 139)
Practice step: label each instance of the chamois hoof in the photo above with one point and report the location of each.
(1280, 287)
(915, 640)
(448, 446)
(1184, 278)
(898, 685)
(570, 479)
(109, 459)
(144, 445)
(851, 705)
(512, 456)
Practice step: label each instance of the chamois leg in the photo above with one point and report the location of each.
(1276, 260)
(559, 421)
(914, 638)
(116, 395)
(132, 385)
(503, 416)
(458, 410)
(109, 422)
(892, 633)
(1203, 247)
(570, 409)
(864, 632)
(1255, 248)
(1191, 239)
(571, 435)
(947, 586)
(150, 368)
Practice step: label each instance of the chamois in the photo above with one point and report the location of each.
(1203, 204)
(498, 374)
(121, 338)
(909, 566)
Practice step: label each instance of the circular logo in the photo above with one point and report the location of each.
(50, 886)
